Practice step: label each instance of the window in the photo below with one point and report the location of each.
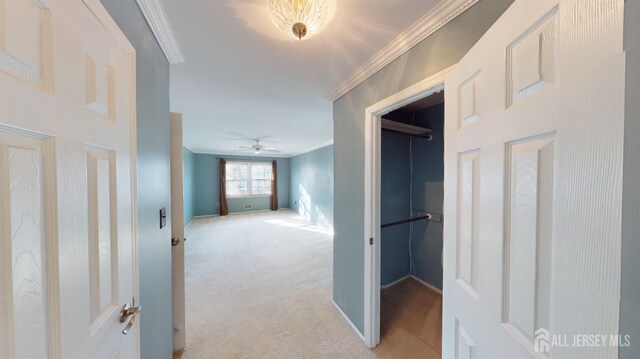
(245, 179)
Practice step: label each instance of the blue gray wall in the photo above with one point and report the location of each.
(154, 186)
(630, 287)
(427, 195)
(188, 169)
(394, 206)
(311, 192)
(440, 50)
(207, 185)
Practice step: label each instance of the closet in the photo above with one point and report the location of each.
(412, 174)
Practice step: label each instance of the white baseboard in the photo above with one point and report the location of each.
(188, 224)
(394, 282)
(348, 320)
(244, 212)
(427, 284)
(207, 216)
(414, 277)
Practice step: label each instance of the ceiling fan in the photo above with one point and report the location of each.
(257, 148)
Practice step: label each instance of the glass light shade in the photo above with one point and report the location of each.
(287, 15)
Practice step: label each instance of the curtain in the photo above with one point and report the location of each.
(274, 186)
(224, 209)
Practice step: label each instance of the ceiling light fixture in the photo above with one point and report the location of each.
(300, 18)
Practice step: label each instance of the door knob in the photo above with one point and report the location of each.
(129, 312)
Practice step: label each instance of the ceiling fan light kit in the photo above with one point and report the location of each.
(301, 18)
(257, 149)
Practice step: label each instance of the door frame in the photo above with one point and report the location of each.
(372, 172)
(101, 13)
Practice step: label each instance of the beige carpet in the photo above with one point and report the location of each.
(259, 286)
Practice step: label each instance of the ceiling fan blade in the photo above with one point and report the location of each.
(244, 150)
(272, 150)
(246, 147)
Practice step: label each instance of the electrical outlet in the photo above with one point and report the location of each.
(248, 206)
(217, 204)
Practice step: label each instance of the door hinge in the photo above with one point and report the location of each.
(371, 241)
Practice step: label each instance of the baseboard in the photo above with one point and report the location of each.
(207, 216)
(394, 282)
(414, 277)
(348, 320)
(427, 284)
(188, 224)
(244, 212)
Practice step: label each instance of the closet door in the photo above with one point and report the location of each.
(533, 195)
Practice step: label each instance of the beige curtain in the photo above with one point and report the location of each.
(274, 186)
(224, 209)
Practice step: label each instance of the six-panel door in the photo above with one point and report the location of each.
(533, 158)
(67, 110)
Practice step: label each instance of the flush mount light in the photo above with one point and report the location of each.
(300, 18)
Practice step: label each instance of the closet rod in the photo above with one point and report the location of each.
(426, 137)
(428, 216)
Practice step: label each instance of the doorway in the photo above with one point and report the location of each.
(395, 110)
(411, 199)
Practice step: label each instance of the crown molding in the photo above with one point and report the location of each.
(431, 22)
(159, 24)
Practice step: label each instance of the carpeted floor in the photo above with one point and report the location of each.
(259, 286)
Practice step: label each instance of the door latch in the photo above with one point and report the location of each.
(371, 241)
(129, 312)
(175, 242)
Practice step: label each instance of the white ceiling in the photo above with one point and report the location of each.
(243, 79)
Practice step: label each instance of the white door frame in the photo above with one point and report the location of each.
(372, 143)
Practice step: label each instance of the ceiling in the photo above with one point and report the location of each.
(243, 79)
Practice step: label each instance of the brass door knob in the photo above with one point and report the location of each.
(129, 312)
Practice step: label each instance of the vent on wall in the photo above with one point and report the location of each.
(248, 206)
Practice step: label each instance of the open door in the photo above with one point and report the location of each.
(533, 174)
(177, 233)
(68, 257)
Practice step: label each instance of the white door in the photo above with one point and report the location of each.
(534, 140)
(177, 233)
(67, 215)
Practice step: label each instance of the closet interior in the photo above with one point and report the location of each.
(412, 174)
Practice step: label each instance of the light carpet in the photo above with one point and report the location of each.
(259, 285)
